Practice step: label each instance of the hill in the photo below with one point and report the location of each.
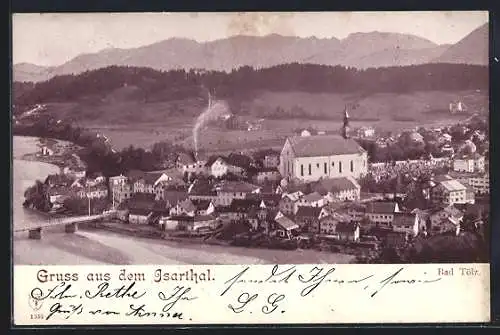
(148, 85)
(356, 50)
(25, 72)
(472, 49)
(141, 106)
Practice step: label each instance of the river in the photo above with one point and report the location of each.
(87, 247)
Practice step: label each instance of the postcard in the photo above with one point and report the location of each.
(250, 168)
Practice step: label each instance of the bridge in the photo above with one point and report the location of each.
(70, 224)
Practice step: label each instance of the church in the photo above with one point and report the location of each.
(310, 158)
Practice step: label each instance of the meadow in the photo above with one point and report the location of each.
(128, 122)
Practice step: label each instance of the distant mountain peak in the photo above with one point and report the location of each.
(472, 49)
(360, 50)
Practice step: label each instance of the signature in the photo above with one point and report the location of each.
(60, 291)
(104, 291)
(66, 312)
(180, 293)
(319, 276)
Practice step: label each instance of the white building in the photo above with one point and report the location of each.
(309, 158)
(187, 163)
(340, 189)
(381, 213)
(469, 163)
(449, 192)
(480, 183)
(406, 223)
(221, 167)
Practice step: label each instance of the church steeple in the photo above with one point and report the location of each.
(345, 126)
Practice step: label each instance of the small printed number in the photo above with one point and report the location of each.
(36, 316)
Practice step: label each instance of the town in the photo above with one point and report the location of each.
(320, 191)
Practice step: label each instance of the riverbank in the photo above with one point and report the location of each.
(56, 152)
(90, 246)
(153, 234)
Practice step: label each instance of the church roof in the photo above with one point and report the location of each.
(323, 145)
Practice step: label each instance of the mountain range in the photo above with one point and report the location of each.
(359, 50)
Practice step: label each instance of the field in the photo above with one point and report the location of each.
(140, 124)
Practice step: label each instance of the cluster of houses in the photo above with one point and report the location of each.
(310, 188)
(74, 184)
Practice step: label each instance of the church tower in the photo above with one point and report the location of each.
(345, 127)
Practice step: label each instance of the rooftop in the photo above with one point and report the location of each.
(346, 227)
(187, 205)
(243, 205)
(309, 212)
(312, 197)
(404, 219)
(140, 211)
(174, 196)
(335, 185)
(323, 145)
(382, 207)
(237, 186)
(201, 204)
(286, 223)
(293, 196)
(453, 185)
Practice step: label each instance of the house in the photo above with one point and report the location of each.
(46, 151)
(347, 231)
(140, 203)
(328, 223)
(266, 175)
(339, 189)
(469, 163)
(406, 223)
(58, 180)
(173, 223)
(221, 167)
(271, 159)
(164, 186)
(313, 199)
(227, 191)
(366, 132)
(203, 207)
(309, 158)
(202, 223)
(381, 213)
(288, 202)
(438, 215)
(448, 224)
(448, 192)
(160, 209)
(357, 211)
(57, 194)
(121, 192)
(185, 207)
(243, 208)
(285, 227)
(120, 188)
(74, 172)
(96, 178)
(308, 218)
(191, 164)
(139, 216)
(147, 183)
(93, 192)
(480, 183)
(269, 200)
(422, 215)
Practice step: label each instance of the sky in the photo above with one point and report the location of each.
(52, 39)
